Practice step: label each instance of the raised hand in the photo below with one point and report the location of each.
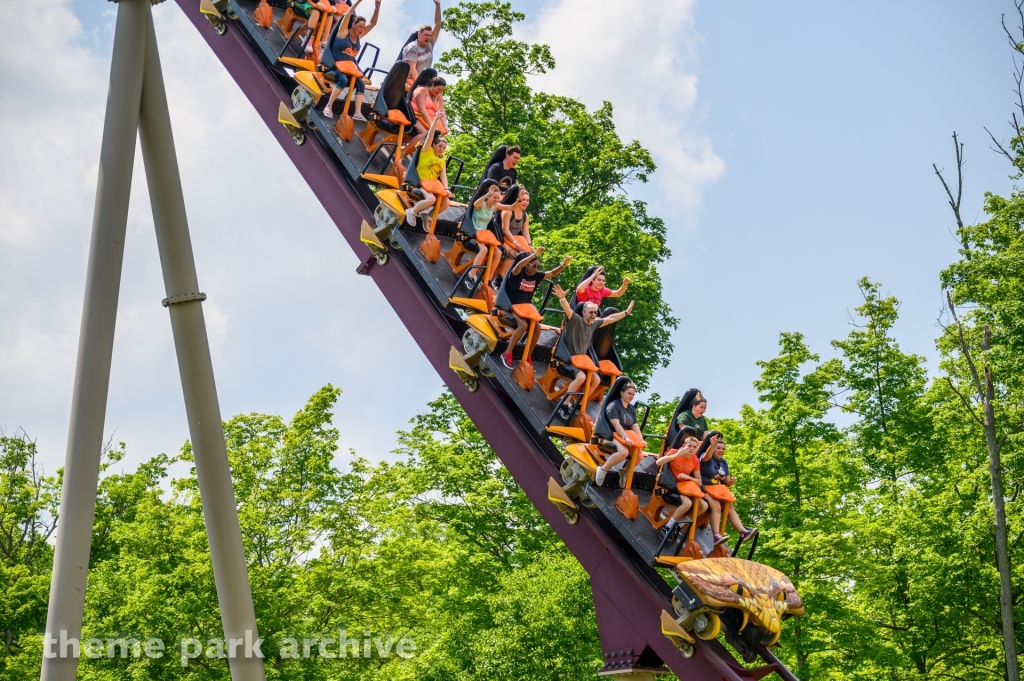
(629, 309)
(558, 291)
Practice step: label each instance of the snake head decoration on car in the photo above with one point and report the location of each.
(764, 595)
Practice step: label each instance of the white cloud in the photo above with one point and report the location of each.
(286, 312)
(644, 63)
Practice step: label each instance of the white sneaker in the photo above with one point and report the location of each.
(599, 477)
(410, 217)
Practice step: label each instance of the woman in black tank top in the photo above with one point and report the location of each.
(515, 226)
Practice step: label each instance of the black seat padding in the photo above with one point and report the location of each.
(603, 427)
(501, 301)
(590, 270)
(561, 352)
(510, 197)
(412, 176)
(685, 404)
(392, 96)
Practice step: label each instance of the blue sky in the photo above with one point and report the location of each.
(794, 142)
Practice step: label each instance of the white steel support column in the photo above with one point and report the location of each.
(184, 302)
(136, 101)
(95, 343)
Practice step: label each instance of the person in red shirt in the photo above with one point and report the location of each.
(593, 289)
(685, 467)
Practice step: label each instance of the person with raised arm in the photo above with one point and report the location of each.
(520, 287)
(486, 201)
(593, 289)
(418, 50)
(432, 172)
(345, 46)
(579, 332)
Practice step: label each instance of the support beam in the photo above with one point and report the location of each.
(195, 366)
(95, 343)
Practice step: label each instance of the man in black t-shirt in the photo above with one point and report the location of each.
(504, 172)
(520, 287)
(579, 332)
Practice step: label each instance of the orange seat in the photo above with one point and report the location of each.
(688, 488)
(440, 126)
(525, 310)
(608, 369)
(435, 187)
(487, 238)
(641, 444)
(396, 116)
(349, 68)
(719, 492)
(583, 362)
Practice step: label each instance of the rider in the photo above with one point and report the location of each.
(419, 48)
(579, 332)
(515, 226)
(486, 201)
(593, 290)
(520, 287)
(685, 468)
(432, 173)
(714, 470)
(692, 414)
(345, 46)
(504, 171)
(622, 417)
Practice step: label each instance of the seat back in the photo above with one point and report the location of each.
(561, 352)
(501, 301)
(510, 197)
(467, 228)
(392, 92)
(681, 434)
(603, 345)
(603, 427)
(705, 443)
(412, 176)
(497, 157)
(411, 39)
(685, 403)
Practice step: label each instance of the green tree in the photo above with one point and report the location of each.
(800, 485)
(28, 514)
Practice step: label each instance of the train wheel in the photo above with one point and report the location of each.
(472, 385)
(298, 136)
(686, 649)
(219, 26)
(395, 243)
(678, 608)
(232, 14)
(485, 371)
(384, 217)
(572, 517)
(381, 258)
(707, 626)
(565, 470)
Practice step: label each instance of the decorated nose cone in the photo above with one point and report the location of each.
(761, 593)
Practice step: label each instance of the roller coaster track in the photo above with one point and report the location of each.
(629, 596)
